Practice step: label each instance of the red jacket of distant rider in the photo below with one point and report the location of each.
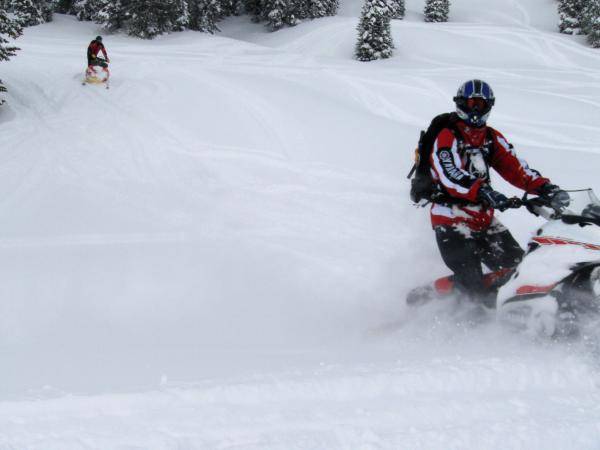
(460, 163)
(94, 48)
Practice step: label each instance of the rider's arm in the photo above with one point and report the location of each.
(447, 165)
(513, 169)
(103, 50)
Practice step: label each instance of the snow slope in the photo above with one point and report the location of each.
(214, 252)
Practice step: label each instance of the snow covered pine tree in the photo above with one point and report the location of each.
(398, 9)
(228, 7)
(569, 12)
(590, 22)
(31, 12)
(300, 9)
(317, 8)
(8, 28)
(111, 15)
(252, 7)
(86, 9)
(331, 7)
(374, 34)
(63, 6)
(150, 18)
(436, 10)
(278, 13)
(204, 15)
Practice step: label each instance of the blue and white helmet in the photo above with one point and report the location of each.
(474, 101)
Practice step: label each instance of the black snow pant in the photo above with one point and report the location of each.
(97, 62)
(464, 251)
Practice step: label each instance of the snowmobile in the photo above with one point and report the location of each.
(97, 75)
(555, 289)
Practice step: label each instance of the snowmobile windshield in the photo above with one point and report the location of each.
(583, 202)
(584, 205)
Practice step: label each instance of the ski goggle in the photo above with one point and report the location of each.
(477, 102)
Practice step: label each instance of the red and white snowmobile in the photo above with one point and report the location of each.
(97, 74)
(556, 287)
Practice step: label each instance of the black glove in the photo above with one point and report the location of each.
(554, 196)
(492, 198)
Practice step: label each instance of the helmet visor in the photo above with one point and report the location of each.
(478, 103)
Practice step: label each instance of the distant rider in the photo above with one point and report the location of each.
(96, 47)
(466, 230)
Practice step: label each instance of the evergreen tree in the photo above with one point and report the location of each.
(332, 7)
(585, 17)
(150, 18)
(47, 11)
(300, 9)
(590, 21)
(181, 11)
(9, 28)
(317, 8)
(252, 7)
(278, 13)
(374, 34)
(322, 8)
(63, 6)
(569, 12)
(230, 8)
(437, 10)
(86, 9)
(31, 12)
(398, 9)
(204, 15)
(112, 14)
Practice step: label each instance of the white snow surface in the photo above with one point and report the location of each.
(214, 253)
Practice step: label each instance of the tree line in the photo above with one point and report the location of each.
(150, 18)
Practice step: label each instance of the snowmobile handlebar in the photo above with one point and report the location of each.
(537, 206)
(514, 203)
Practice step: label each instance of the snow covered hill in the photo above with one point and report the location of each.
(213, 254)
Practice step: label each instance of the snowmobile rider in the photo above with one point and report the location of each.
(95, 47)
(466, 230)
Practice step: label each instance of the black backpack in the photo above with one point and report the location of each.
(422, 186)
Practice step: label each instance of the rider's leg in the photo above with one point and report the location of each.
(104, 67)
(90, 68)
(461, 253)
(500, 250)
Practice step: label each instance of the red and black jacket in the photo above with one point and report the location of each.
(460, 161)
(93, 49)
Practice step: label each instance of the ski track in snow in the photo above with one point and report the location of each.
(213, 253)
